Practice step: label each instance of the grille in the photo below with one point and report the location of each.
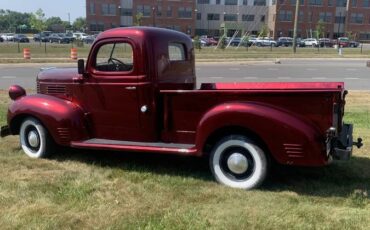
(64, 135)
(38, 87)
(55, 89)
(294, 150)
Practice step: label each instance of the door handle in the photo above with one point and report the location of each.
(130, 87)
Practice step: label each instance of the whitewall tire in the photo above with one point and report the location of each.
(34, 139)
(238, 162)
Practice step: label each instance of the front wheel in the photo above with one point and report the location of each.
(238, 162)
(35, 139)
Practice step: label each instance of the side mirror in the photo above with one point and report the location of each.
(81, 66)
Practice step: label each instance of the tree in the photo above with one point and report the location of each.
(11, 20)
(80, 24)
(139, 18)
(320, 29)
(265, 31)
(37, 20)
(53, 21)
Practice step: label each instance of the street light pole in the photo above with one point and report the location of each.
(295, 26)
(153, 9)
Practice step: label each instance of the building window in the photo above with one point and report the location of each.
(169, 11)
(92, 8)
(330, 2)
(184, 12)
(357, 18)
(263, 18)
(126, 12)
(315, 2)
(301, 16)
(366, 3)
(326, 17)
(285, 16)
(144, 9)
(230, 17)
(341, 3)
(213, 17)
(203, 1)
(354, 3)
(301, 2)
(248, 17)
(159, 11)
(340, 19)
(245, 2)
(231, 2)
(199, 16)
(259, 3)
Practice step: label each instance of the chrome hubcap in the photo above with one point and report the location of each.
(33, 139)
(237, 163)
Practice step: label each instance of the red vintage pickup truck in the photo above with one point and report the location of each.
(138, 93)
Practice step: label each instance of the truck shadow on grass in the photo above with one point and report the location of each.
(339, 179)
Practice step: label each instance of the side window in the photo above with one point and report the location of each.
(114, 57)
(176, 52)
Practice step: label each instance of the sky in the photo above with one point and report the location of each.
(51, 8)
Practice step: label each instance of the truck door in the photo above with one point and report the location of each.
(111, 92)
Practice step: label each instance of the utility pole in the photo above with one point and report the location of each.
(295, 26)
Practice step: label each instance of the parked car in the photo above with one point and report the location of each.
(79, 36)
(284, 41)
(265, 41)
(89, 39)
(325, 42)
(1, 39)
(346, 42)
(310, 42)
(43, 36)
(59, 38)
(8, 37)
(21, 38)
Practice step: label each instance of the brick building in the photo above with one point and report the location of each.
(205, 17)
(106, 14)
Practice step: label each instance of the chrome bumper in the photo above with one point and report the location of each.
(342, 144)
(4, 131)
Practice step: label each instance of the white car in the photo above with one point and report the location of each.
(265, 41)
(8, 37)
(310, 42)
(80, 36)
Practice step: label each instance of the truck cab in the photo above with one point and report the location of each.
(137, 92)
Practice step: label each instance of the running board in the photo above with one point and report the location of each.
(158, 147)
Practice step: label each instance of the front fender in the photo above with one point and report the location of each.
(290, 138)
(63, 119)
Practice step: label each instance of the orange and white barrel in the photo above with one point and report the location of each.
(26, 53)
(74, 53)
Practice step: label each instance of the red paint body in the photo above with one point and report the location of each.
(102, 110)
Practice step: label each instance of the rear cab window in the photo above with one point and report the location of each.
(176, 52)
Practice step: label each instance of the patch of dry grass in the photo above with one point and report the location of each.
(94, 189)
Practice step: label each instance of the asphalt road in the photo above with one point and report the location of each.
(354, 73)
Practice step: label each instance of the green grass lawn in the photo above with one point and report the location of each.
(110, 190)
(61, 53)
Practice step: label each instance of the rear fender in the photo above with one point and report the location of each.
(63, 119)
(290, 139)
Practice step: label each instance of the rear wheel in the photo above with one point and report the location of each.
(35, 139)
(238, 162)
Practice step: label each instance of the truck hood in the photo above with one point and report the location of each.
(57, 75)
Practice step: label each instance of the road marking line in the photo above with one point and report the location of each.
(351, 78)
(351, 69)
(319, 78)
(284, 78)
(249, 78)
(311, 69)
(272, 69)
(8, 77)
(234, 68)
(216, 77)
